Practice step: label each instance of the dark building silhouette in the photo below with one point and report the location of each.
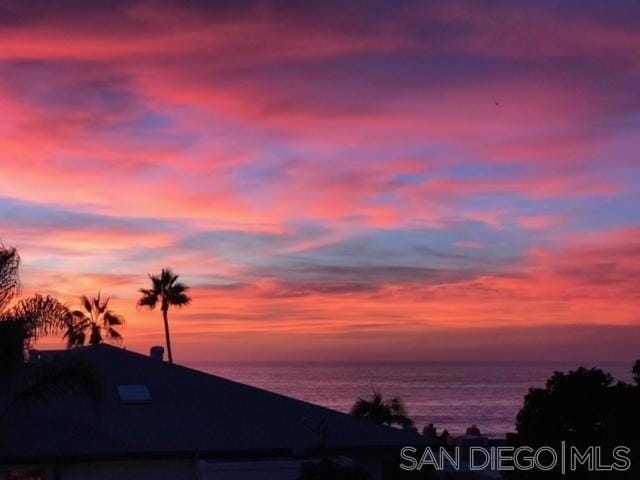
(164, 421)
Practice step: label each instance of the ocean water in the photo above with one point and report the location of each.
(451, 395)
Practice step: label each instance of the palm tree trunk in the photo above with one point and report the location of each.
(167, 337)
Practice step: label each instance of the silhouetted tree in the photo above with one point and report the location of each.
(24, 323)
(166, 290)
(636, 372)
(96, 322)
(583, 408)
(388, 412)
(27, 320)
(20, 326)
(560, 412)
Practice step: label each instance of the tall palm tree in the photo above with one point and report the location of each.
(96, 322)
(388, 412)
(166, 290)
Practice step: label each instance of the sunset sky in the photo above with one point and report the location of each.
(335, 180)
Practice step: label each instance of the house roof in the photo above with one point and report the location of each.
(190, 413)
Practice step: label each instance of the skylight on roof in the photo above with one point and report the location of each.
(133, 394)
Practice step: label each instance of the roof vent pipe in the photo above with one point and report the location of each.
(157, 353)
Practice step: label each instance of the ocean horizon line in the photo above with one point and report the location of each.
(578, 363)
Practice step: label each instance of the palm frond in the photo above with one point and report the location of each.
(9, 278)
(156, 281)
(178, 299)
(114, 334)
(75, 337)
(78, 315)
(399, 413)
(380, 411)
(167, 276)
(41, 315)
(86, 303)
(111, 318)
(179, 287)
(360, 408)
(148, 299)
(101, 307)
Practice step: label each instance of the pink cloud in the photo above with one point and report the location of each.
(254, 121)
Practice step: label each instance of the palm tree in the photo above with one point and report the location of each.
(23, 324)
(27, 320)
(20, 326)
(388, 412)
(96, 320)
(165, 289)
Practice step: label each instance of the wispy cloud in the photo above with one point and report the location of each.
(324, 169)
